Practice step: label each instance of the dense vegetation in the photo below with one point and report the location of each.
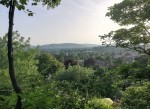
(90, 78)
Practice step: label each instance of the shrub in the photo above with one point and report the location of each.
(137, 97)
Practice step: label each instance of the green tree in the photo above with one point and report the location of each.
(73, 87)
(104, 88)
(136, 97)
(79, 78)
(134, 16)
(48, 64)
(90, 62)
(25, 67)
(20, 5)
(70, 62)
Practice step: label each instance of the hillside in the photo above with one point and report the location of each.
(66, 46)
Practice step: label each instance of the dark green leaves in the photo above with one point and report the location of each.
(30, 13)
(136, 14)
(5, 3)
(21, 7)
(130, 12)
(51, 3)
(22, 4)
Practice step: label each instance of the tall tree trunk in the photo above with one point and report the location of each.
(10, 54)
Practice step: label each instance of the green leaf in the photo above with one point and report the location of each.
(23, 2)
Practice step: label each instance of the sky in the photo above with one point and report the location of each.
(73, 21)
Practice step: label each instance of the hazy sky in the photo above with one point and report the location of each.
(73, 21)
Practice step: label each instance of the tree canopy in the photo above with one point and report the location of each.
(134, 16)
(48, 64)
(22, 4)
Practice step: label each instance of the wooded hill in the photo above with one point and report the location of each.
(66, 46)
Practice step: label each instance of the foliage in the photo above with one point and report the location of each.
(20, 5)
(79, 78)
(78, 87)
(136, 14)
(90, 62)
(25, 64)
(70, 62)
(66, 96)
(97, 103)
(88, 83)
(103, 86)
(75, 74)
(100, 71)
(25, 67)
(23, 4)
(40, 98)
(133, 84)
(48, 64)
(73, 88)
(70, 88)
(137, 97)
(8, 102)
(130, 74)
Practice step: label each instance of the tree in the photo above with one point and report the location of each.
(90, 62)
(20, 5)
(135, 15)
(79, 78)
(136, 97)
(70, 62)
(48, 65)
(25, 68)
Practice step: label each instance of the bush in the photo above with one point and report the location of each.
(79, 78)
(97, 103)
(137, 97)
(48, 64)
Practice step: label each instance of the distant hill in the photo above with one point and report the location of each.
(66, 46)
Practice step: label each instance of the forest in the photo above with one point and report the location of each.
(115, 75)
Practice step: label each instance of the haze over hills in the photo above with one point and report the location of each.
(67, 46)
(75, 46)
